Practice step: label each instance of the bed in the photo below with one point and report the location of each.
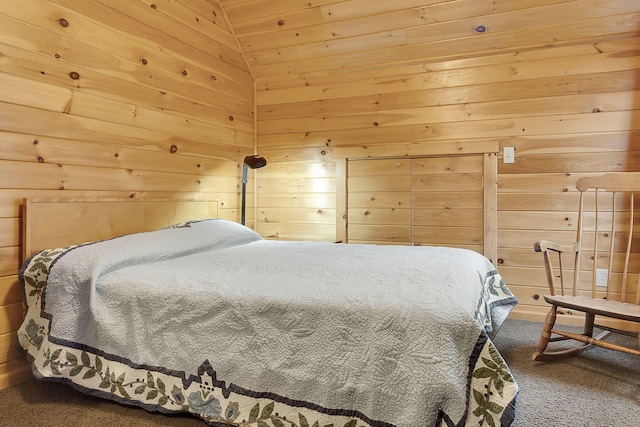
(180, 312)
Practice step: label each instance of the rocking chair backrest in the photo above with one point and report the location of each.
(609, 207)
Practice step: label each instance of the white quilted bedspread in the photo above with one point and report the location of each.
(385, 331)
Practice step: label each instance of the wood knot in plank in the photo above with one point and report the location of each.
(74, 75)
(63, 22)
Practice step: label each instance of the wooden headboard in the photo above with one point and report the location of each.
(54, 223)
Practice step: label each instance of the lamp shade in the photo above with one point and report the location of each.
(255, 162)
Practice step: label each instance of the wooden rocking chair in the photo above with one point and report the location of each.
(606, 241)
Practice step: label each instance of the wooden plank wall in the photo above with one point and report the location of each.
(117, 98)
(556, 79)
(137, 98)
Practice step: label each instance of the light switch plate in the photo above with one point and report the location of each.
(509, 155)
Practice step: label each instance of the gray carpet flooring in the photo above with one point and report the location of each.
(597, 388)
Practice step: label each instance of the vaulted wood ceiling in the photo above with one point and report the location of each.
(292, 37)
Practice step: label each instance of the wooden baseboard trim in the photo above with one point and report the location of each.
(14, 372)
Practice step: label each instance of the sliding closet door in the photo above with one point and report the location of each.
(447, 202)
(379, 201)
(434, 201)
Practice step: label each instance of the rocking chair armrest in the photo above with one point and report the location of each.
(544, 245)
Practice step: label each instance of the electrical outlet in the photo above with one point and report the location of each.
(601, 277)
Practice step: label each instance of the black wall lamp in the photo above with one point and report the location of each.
(253, 162)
